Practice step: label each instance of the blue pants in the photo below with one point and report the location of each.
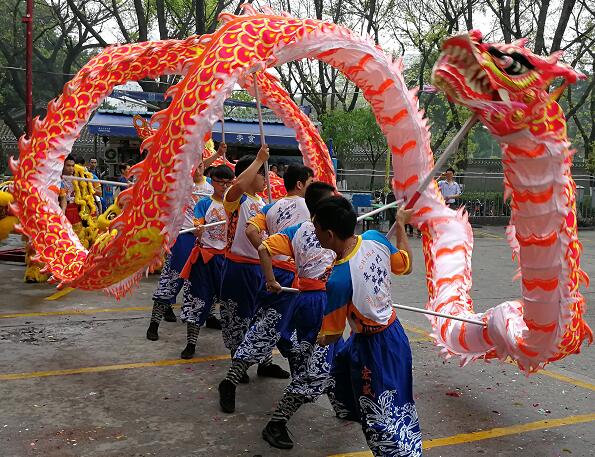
(372, 383)
(240, 283)
(202, 290)
(170, 282)
(291, 322)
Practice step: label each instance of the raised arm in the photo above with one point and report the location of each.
(221, 150)
(403, 217)
(243, 182)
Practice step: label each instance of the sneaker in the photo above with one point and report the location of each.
(227, 396)
(213, 322)
(188, 351)
(245, 379)
(152, 331)
(168, 314)
(272, 371)
(275, 433)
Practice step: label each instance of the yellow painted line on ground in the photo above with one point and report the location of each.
(60, 293)
(104, 368)
(567, 379)
(414, 329)
(420, 339)
(488, 234)
(493, 433)
(71, 311)
(411, 328)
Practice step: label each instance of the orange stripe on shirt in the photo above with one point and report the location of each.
(259, 221)
(399, 263)
(334, 323)
(279, 244)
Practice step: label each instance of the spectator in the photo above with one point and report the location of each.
(450, 188)
(66, 196)
(123, 178)
(99, 201)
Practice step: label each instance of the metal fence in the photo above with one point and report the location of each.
(482, 193)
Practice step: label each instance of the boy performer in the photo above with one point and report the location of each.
(170, 282)
(241, 277)
(274, 217)
(205, 263)
(372, 374)
(310, 363)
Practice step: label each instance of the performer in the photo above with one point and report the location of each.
(275, 310)
(371, 375)
(170, 282)
(203, 268)
(242, 278)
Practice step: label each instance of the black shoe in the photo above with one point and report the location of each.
(272, 371)
(245, 379)
(152, 331)
(275, 433)
(168, 314)
(213, 322)
(188, 351)
(227, 396)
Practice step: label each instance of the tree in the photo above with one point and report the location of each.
(60, 47)
(355, 133)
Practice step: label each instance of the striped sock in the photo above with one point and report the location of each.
(192, 331)
(268, 360)
(287, 407)
(237, 370)
(158, 311)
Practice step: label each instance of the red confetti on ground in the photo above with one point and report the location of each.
(453, 394)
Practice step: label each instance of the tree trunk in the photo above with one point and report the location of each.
(541, 22)
(142, 21)
(199, 15)
(565, 14)
(161, 20)
(372, 178)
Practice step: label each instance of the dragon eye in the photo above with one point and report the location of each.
(513, 63)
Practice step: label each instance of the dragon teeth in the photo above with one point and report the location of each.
(505, 96)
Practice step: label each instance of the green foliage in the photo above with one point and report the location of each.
(591, 161)
(354, 131)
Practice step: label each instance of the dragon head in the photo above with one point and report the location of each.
(105, 219)
(505, 84)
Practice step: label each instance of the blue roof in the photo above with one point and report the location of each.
(236, 132)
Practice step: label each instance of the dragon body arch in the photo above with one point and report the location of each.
(151, 209)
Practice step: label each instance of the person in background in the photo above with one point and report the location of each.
(450, 188)
(124, 169)
(66, 195)
(99, 201)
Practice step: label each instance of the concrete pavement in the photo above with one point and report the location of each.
(78, 378)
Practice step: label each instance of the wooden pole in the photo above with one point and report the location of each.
(261, 127)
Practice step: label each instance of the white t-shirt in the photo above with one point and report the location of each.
(204, 188)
